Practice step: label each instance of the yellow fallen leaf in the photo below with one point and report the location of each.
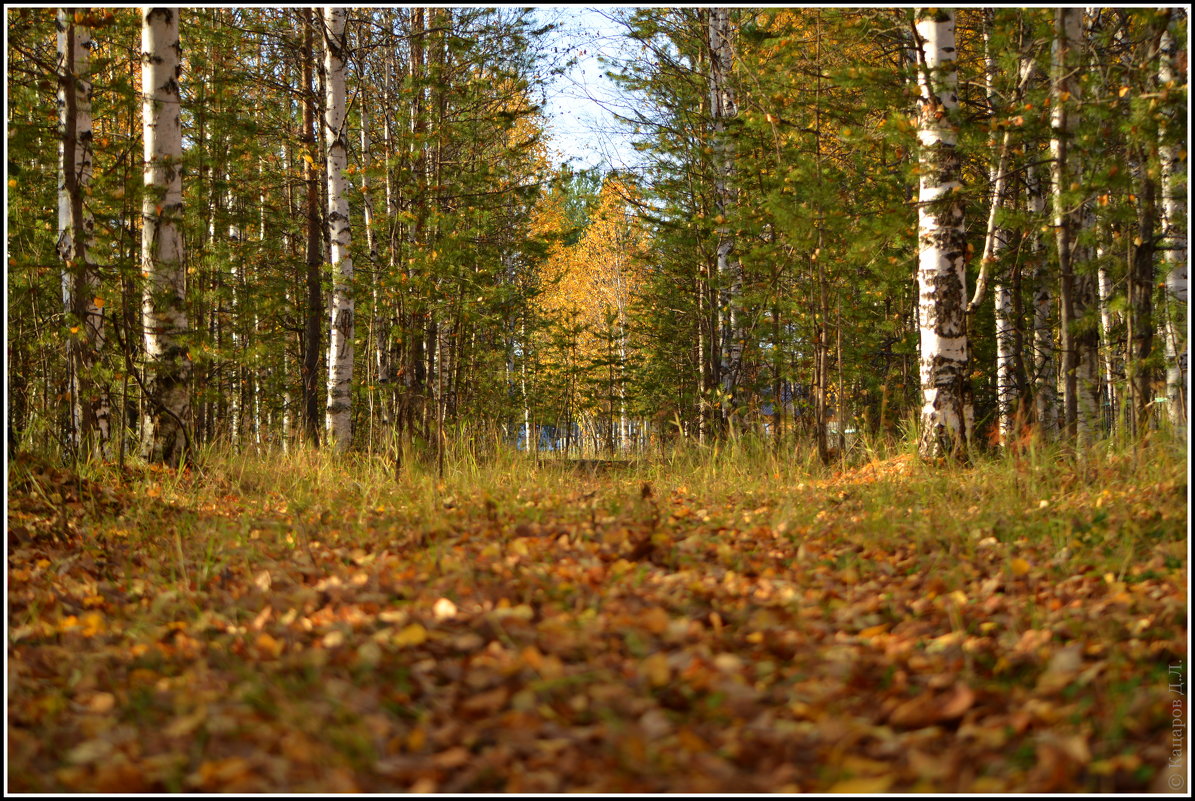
(655, 620)
(656, 670)
(1019, 566)
(93, 624)
(267, 645)
(414, 634)
(101, 703)
(416, 739)
(89, 751)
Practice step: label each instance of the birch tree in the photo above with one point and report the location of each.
(340, 351)
(1045, 372)
(1172, 156)
(314, 300)
(946, 413)
(1079, 340)
(722, 108)
(89, 408)
(995, 242)
(165, 435)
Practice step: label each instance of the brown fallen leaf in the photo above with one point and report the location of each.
(956, 702)
(930, 708)
(486, 703)
(452, 758)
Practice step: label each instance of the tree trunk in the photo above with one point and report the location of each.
(165, 437)
(994, 243)
(729, 278)
(1080, 342)
(378, 315)
(236, 398)
(90, 412)
(1172, 155)
(340, 352)
(1104, 298)
(1140, 299)
(946, 416)
(1045, 373)
(314, 310)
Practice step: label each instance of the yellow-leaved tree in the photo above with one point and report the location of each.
(588, 288)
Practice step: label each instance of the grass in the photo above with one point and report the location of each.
(722, 619)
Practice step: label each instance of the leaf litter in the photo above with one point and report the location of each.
(600, 635)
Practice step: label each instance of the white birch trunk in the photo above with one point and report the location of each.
(1006, 380)
(946, 415)
(340, 350)
(723, 106)
(994, 243)
(1104, 287)
(234, 235)
(286, 401)
(1173, 158)
(287, 244)
(378, 316)
(168, 365)
(253, 343)
(1045, 373)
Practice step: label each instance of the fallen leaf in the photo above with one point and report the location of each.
(414, 634)
(656, 669)
(444, 609)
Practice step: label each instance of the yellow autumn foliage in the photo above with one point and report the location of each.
(588, 287)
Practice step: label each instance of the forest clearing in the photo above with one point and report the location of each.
(818, 424)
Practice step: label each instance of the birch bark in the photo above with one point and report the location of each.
(165, 436)
(994, 243)
(340, 351)
(946, 414)
(1173, 160)
(1045, 371)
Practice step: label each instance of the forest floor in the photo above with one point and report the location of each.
(299, 625)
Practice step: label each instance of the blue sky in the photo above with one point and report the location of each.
(579, 102)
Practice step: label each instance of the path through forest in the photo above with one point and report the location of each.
(887, 629)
